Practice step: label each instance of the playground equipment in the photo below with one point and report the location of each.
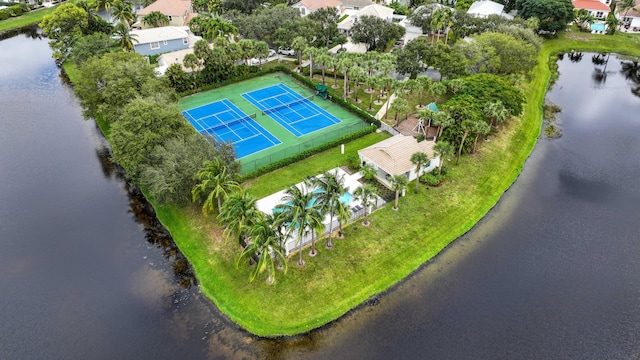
(321, 90)
(420, 128)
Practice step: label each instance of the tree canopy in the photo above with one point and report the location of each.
(62, 27)
(554, 15)
(375, 32)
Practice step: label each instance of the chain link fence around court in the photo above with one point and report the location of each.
(306, 144)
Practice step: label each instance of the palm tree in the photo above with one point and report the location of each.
(437, 89)
(467, 125)
(192, 62)
(496, 112)
(420, 160)
(216, 182)
(266, 244)
(104, 4)
(437, 22)
(310, 52)
(455, 85)
(215, 28)
(202, 50)
(300, 212)
(368, 171)
(238, 214)
(323, 59)
(299, 44)
(480, 128)
(444, 150)
(344, 213)
(447, 20)
(358, 74)
(424, 86)
(371, 82)
(442, 119)
(123, 12)
(155, 19)
(124, 37)
(345, 63)
(248, 49)
(399, 105)
(331, 188)
(398, 183)
(261, 51)
(366, 194)
(426, 115)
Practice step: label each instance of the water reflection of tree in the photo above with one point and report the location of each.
(630, 69)
(30, 31)
(144, 214)
(575, 56)
(599, 74)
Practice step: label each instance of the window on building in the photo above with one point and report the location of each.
(599, 14)
(302, 11)
(164, 42)
(155, 45)
(185, 41)
(170, 18)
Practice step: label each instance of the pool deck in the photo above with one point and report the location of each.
(351, 182)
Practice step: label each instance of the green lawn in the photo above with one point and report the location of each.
(30, 18)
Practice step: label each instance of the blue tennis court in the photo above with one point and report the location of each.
(293, 111)
(227, 122)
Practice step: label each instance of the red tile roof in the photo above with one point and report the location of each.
(590, 5)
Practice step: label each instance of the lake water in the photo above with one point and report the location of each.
(87, 273)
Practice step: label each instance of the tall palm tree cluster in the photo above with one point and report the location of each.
(262, 236)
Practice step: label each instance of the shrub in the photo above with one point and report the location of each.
(353, 161)
(431, 179)
(16, 10)
(5, 14)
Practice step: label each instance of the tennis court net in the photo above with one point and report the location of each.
(284, 106)
(228, 124)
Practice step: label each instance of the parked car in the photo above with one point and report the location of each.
(286, 51)
(255, 61)
(272, 52)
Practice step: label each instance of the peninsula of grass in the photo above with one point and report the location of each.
(369, 260)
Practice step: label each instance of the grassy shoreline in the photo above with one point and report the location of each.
(369, 260)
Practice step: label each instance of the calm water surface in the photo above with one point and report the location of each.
(87, 273)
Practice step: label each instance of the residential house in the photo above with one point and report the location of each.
(484, 8)
(596, 8)
(180, 12)
(413, 31)
(392, 157)
(354, 5)
(630, 19)
(164, 39)
(382, 12)
(166, 60)
(306, 7)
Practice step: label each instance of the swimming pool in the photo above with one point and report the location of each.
(345, 198)
(598, 26)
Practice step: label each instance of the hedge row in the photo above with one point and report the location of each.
(234, 80)
(305, 154)
(13, 11)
